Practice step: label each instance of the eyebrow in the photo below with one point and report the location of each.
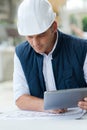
(42, 33)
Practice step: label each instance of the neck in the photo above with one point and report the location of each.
(52, 45)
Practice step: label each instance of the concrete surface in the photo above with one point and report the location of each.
(6, 94)
(6, 63)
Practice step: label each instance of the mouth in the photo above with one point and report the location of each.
(37, 47)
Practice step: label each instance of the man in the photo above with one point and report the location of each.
(48, 60)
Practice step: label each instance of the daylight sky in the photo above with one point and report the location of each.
(72, 4)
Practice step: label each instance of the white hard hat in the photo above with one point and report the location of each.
(34, 17)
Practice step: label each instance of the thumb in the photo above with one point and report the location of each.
(85, 99)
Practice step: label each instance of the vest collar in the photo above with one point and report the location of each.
(58, 46)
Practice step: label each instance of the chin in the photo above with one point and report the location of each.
(39, 51)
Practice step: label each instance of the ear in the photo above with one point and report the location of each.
(54, 26)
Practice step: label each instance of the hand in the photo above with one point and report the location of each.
(83, 104)
(56, 111)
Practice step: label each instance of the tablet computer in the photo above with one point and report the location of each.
(63, 98)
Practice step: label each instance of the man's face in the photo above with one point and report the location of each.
(43, 43)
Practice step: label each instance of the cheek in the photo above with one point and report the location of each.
(29, 40)
(47, 39)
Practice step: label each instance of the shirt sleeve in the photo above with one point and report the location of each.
(20, 85)
(85, 35)
(85, 69)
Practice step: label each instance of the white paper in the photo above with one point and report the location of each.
(72, 113)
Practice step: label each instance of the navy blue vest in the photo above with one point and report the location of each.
(67, 62)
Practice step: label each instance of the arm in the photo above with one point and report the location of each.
(27, 102)
(22, 95)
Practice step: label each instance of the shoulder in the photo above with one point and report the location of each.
(74, 46)
(22, 48)
(73, 41)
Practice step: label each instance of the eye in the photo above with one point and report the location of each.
(42, 35)
(30, 37)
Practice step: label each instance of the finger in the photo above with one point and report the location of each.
(55, 111)
(85, 99)
(58, 111)
(83, 105)
(64, 110)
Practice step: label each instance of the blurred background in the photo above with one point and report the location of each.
(71, 16)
